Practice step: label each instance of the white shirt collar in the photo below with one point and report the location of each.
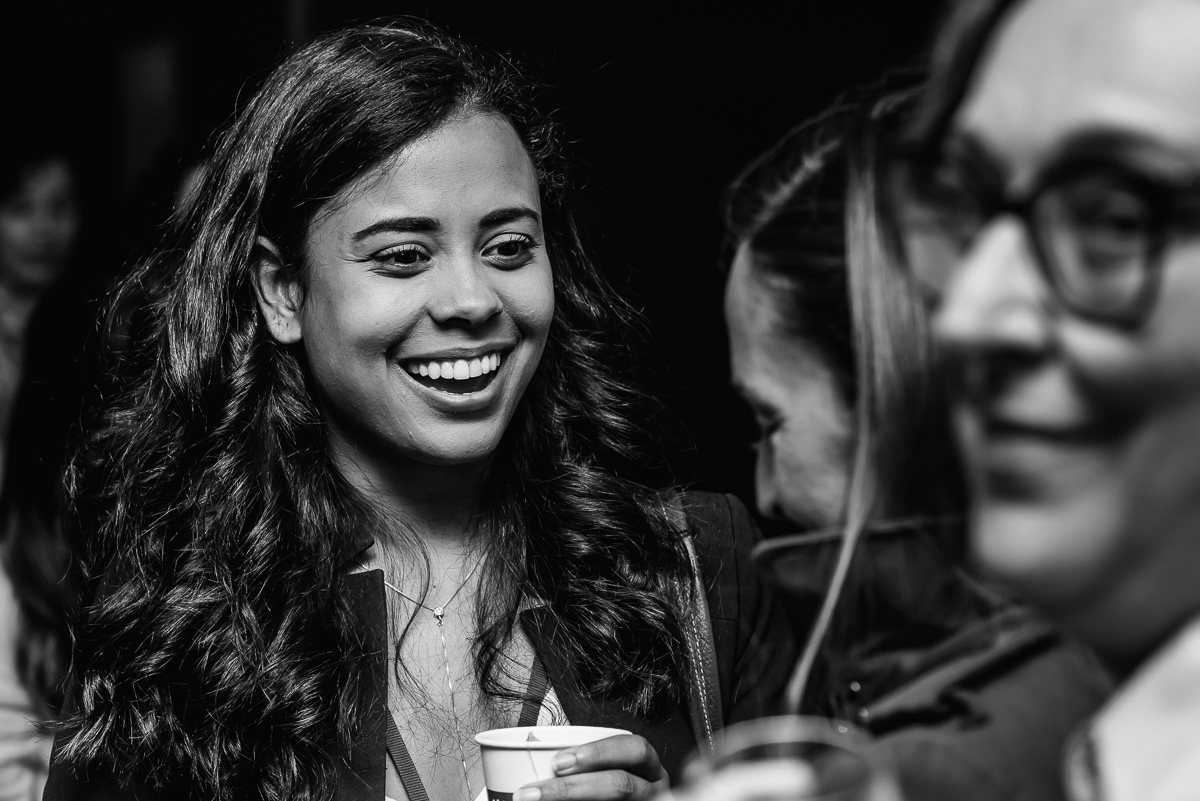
(1145, 742)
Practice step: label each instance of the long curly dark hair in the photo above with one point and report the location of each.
(216, 650)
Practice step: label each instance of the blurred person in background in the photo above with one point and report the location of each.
(42, 333)
(1049, 198)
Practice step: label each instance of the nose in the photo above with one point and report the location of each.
(52, 224)
(466, 295)
(994, 307)
(766, 488)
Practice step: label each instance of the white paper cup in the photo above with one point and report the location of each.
(512, 760)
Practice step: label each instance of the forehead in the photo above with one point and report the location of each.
(1057, 68)
(48, 176)
(750, 310)
(465, 164)
(764, 349)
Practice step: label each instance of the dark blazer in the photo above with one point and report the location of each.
(990, 722)
(753, 641)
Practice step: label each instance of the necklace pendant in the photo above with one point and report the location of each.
(439, 612)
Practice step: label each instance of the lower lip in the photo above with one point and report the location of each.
(464, 401)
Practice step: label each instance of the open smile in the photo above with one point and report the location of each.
(456, 376)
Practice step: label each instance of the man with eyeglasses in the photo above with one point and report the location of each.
(1050, 204)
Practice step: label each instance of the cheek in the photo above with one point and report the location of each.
(343, 325)
(810, 471)
(529, 298)
(1162, 476)
(12, 231)
(67, 228)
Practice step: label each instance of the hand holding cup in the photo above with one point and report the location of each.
(569, 763)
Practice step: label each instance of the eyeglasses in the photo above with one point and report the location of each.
(1098, 227)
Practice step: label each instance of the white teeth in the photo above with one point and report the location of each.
(459, 370)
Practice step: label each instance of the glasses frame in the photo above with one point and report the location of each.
(996, 204)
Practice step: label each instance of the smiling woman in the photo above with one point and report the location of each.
(361, 486)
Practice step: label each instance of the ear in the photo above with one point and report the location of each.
(279, 294)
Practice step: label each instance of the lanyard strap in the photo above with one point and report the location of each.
(397, 751)
(539, 684)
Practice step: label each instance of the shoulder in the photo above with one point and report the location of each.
(721, 527)
(1014, 656)
(723, 534)
(753, 639)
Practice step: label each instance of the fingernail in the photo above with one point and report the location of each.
(564, 761)
(529, 794)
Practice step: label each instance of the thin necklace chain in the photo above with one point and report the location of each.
(439, 612)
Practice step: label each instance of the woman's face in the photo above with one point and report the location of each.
(805, 428)
(427, 300)
(38, 224)
(1083, 437)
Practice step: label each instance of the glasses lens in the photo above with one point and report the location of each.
(1098, 235)
(939, 216)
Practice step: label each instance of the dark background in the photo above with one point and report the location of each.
(663, 104)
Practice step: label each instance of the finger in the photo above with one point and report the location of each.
(758, 781)
(627, 752)
(605, 785)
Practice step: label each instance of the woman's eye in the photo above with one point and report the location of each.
(1113, 226)
(405, 258)
(511, 251)
(1119, 215)
(767, 426)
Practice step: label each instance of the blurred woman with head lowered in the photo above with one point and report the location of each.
(361, 489)
(830, 350)
(1049, 197)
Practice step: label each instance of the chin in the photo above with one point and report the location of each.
(457, 449)
(1058, 556)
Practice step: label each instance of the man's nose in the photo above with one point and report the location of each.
(995, 301)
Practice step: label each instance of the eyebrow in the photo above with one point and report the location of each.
(1144, 150)
(1098, 143)
(508, 215)
(430, 225)
(399, 225)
